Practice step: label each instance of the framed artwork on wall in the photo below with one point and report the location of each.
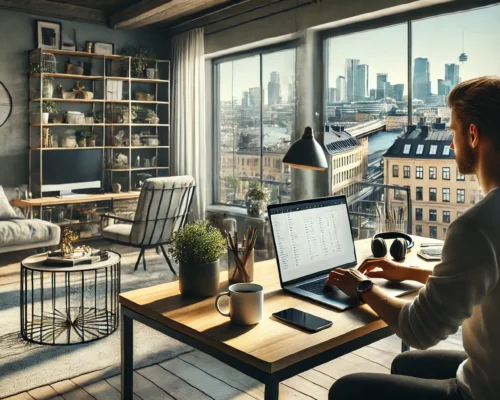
(105, 49)
(5, 104)
(48, 35)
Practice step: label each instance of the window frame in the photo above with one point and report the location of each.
(419, 211)
(432, 215)
(462, 196)
(446, 176)
(417, 170)
(421, 193)
(446, 220)
(259, 51)
(406, 172)
(446, 199)
(395, 171)
(435, 173)
(433, 190)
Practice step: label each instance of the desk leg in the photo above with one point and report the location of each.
(272, 390)
(127, 349)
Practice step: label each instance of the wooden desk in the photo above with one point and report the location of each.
(269, 351)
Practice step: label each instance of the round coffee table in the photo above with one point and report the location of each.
(69, 305)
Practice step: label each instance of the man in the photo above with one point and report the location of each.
(462, 290)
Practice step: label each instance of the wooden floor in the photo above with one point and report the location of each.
(195, 375)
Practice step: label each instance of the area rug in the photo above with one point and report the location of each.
(24, 366)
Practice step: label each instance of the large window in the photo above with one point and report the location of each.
(395, 171)
(406, 171)
(433, 232)
(432, 215)
(432, 194)
(446, 173)
(418, 214)
(446, 216)
(460, 195)
(255, 117)
(419, 193)
(446, 195)
(419, 172)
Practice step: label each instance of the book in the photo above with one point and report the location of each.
(56, 259)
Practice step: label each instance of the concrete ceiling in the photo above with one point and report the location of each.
(121, 14)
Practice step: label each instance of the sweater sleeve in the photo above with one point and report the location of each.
(467, 273)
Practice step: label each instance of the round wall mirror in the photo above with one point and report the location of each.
(5, 104)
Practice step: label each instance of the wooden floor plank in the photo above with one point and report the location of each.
(45, 393)
(143, 388)
(69, 391)
(318, 378)
(230, 375)
(375, 355)
(207, 384)
(350, 364)
(102, 390)
(171, 384)
(20, 396)
(115, 381)
(306, 387)
(287, 393)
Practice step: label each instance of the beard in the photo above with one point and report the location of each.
(466, 161)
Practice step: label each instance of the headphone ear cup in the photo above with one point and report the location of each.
(398, 249)
(379, 248)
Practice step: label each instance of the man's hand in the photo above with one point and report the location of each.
(346, 280)
(384, 268)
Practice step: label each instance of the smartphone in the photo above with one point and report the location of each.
(303, 320)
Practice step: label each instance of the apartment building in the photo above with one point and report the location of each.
(423, 161)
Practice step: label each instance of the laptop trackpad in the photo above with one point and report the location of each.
(397, 288)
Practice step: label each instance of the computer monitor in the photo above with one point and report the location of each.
(67, 170)
(312, 237)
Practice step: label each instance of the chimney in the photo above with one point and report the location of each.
(424, 132)
(410, 129)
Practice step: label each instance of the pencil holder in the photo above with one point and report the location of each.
(240, 270)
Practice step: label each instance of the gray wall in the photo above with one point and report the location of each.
(17, 37)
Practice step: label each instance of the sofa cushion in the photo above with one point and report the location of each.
(119, 232)
(27, 231)
(6, 211)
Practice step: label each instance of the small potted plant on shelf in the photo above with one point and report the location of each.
(256, 199)
(48, 107)
(142, 58)
(82, 139)
(197, 249)
(91, 139)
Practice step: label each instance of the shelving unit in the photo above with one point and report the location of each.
(99, 71)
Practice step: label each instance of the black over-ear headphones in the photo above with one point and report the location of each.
(399, 247)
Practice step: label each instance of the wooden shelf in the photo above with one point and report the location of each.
(82, 54)
(136, 102)
(70, 100)
(61, 124)
(66, 148)
(68, 76)
(141, 80)
(49, 201)
(136, 147)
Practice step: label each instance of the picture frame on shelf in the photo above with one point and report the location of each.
(48, 35)
(68, 43)
(105, 49)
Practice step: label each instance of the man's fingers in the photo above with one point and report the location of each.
(370, 267)
(376, 274)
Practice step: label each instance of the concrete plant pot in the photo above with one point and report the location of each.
(200, 280)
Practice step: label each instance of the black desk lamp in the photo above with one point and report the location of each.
(306, 153)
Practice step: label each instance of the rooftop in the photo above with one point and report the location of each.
(423, 142)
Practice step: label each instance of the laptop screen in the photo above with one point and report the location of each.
(311, 236)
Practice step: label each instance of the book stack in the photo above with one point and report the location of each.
(56, 259)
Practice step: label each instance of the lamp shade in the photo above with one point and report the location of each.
(306, 153)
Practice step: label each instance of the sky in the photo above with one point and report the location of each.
(438, 38)
(385, 51)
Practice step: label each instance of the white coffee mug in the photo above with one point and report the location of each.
(246, 303)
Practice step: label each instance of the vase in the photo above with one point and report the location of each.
(45, 118)
(91, 143)
(199, 280)
(255, 208)
(47, 89)
(116, 187)
(241, 273)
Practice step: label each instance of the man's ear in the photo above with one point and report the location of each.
(474, 135)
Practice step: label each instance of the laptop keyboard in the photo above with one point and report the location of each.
(316, 287)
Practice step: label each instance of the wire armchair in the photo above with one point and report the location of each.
(163, 209)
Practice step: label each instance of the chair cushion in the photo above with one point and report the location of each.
(27, 231)
(6, 211)
(120, 232)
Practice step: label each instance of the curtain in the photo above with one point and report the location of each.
(188, 113)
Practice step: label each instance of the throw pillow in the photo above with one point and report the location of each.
(6, 211)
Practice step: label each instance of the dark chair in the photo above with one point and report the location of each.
(162, 210)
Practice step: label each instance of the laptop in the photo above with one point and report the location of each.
(313, 237)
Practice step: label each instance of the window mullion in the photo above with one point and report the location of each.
(261, 123)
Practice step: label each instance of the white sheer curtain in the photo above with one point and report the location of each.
(188, 112)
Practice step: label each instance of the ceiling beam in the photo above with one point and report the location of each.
(152, 11)
(56, 10)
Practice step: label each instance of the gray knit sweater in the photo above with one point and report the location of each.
(463, 290)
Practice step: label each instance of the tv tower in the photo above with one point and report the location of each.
(463, 57)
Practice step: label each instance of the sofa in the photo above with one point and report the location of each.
(19, 233)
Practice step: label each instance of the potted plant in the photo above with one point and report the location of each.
(91, 139)
(256, 199)
(48, 107)
(141, 59)
(197, 248)
(82, 139)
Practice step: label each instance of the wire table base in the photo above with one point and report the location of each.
(69, 305)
